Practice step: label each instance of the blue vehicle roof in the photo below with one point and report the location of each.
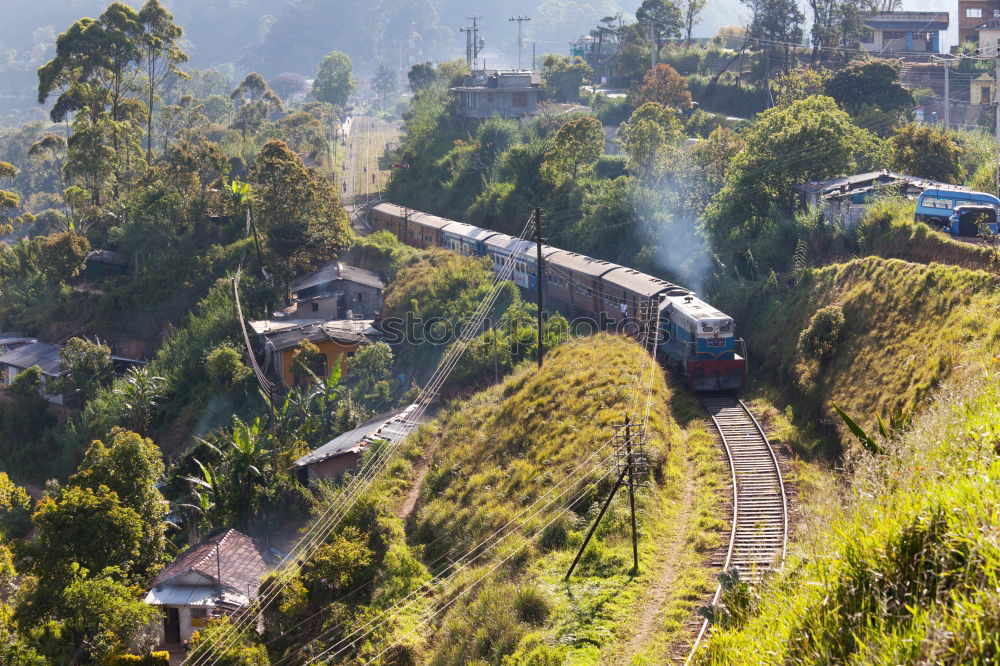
(958, 193)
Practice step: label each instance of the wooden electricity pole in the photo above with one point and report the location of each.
(629, 460)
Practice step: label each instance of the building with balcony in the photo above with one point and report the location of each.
(487, 93)
(905, 32)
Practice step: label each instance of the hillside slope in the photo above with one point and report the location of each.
(534, 452)
(906, 327)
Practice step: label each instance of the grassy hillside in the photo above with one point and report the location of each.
(906, 569)
(499, 458)
(906, 327)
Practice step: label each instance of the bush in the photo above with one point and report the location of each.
(225, 365)
(161, 658)
(819, 339)
(532, 605)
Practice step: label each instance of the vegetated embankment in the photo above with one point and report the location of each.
(531, 460)
(873, 336)
(900, 564)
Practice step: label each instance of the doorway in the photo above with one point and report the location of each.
(171, 625)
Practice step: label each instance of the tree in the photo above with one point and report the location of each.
(577, 144)
(922, 150)
(225, 365)
(422, 75)
(63, 255)
(563, 77)
(100, 615)
(255, 101)
(869, 82)
(334, 79)
(94, 64)
(775, 24)
(160, 56)
(300, 215)
(664, 85)
(307, 361)
(8, 200)
(385, 83)
(51, 147)
(88, 365)
(798, 84)
(665, 18)
(130, 467)
(690, 10)
(824, 143)
(90, 527)
(289, 84)
(648, 129)
(369, 375)
(141, 391)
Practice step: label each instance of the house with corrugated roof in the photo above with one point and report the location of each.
(338, 456)
(336, 340)
(22, 356)
(213, 578)
(337, 291)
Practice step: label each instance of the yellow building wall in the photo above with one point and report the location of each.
(333, 351)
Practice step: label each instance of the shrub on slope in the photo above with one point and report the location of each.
(907, 326)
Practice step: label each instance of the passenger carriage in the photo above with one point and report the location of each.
(580, 287)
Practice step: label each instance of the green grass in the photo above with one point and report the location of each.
(506, 447)
(908, 327)
(907, 566)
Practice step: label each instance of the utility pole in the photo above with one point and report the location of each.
(631, 460)
(947, 96)
(630, 466)
(468, 30)
(533, 55)
(520, 20)
(538, 282)
(996, 108)
(477, 45)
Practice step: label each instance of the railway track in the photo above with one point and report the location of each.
(758, 538)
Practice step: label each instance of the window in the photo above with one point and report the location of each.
(974, 12)
(892, 34)
(520, 99)
(315, 307)
(361, 297)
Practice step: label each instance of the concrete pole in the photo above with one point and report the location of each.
(947, 97)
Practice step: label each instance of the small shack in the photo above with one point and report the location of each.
(845, 199)
(103, 264)
(22, 357)
(343, 452)
(336, 291)
(210, 579)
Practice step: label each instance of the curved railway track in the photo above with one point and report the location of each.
(758, 539)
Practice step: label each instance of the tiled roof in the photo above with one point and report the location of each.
(242, 561)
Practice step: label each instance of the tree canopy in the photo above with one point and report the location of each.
(334, 81)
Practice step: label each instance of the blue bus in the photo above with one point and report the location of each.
(936, 205)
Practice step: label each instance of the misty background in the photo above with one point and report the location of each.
(275, 36)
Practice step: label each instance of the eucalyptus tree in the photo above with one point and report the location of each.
(160, 56)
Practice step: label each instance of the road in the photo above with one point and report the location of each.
(365, 169)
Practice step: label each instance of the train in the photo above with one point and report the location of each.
(696, 338)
